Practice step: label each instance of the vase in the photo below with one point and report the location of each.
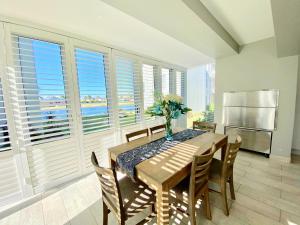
(169, 132)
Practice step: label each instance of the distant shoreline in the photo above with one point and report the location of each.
(88, 105)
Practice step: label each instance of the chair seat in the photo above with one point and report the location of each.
(136, 196)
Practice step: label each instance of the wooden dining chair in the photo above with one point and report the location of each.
(222, 172)
(210, 127)
(195, 187)
(123, 198)
(137, 134)
(157, 129)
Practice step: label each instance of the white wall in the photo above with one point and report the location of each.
(196, 88)
(296, 137)
(257, 67)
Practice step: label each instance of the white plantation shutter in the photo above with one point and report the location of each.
(10, 189)
(4, 134)
(42, 111)
(42, 99)
(179, 83)
(128, 90)
(93, 80)
(165, 81)
(148, 72)
(9, 184)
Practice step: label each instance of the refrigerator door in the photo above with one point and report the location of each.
(264, 98)
(259, 141)
(254, 118)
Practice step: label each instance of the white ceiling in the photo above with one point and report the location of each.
(176, 19)
(246, 20)
(97, 20)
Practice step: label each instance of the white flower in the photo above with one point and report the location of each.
(173, 98)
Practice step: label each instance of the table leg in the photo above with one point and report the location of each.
(223, 150)
(162, 203)
(112, 163)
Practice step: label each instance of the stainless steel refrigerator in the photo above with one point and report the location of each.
(253, 116)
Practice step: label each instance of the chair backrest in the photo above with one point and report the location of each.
(111, 194)
(200, 170)
(230, 155)
(137, 133)
(157, 129)
(211, 127)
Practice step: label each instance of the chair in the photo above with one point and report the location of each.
(157, 129)
(222, 172)
(136, 134)
(195, 187)
(123, 198)
(211, 127)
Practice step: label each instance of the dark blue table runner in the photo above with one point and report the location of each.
(127, 161)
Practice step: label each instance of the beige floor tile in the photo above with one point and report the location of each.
(289, 219)
(257, 206)
(271, 200)
(273, 183)
(290, 197)
(261, 188)
(248, 216)
(13, 219)
(54, 210)
(292, 181)
(32, 215)
(76, 206)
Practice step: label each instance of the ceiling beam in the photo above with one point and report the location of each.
(204, 14)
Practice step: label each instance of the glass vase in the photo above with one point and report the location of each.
(169, 132)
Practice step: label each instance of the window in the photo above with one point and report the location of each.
(91, 73)
(148, 86)
(128, 95)
(4, 135)
(209, 92)
(165, 81)
(41, 89)
(179, 83)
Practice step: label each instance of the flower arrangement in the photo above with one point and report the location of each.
(169, 106)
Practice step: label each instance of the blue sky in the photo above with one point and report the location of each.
(90, 70)
(89, 64)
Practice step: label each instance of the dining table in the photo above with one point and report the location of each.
(165, 170)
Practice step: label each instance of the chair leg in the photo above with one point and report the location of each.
(153, 210)
(192, 212)
(231, 188)
(224, 197)
(105, 211)
(206, 205)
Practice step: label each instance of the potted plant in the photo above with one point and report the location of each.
(169, 106)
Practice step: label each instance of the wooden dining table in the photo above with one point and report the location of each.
(165, 170)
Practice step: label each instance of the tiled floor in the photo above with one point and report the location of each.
(267, 193)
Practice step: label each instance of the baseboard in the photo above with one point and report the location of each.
(285, 159)
(296, 151)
